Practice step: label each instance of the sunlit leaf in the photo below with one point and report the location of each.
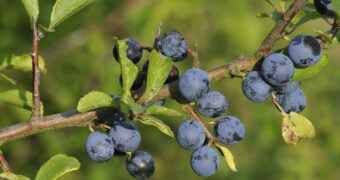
(159, 68)
(19, 98)
(228, 156)
(296, 127)
(161, 110)
(22, 63)
(12, 176)
(5, 77)
(304, 73)
(57, 166)
(63, 9)
(129, 73)
(32, 8)
(94, 100)
(160, 125)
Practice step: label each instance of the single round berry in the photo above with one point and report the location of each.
(255, 88)
(324, 8)
(212, 104)
(287, 87)
(140, 165)
(194, 83)
(125, 137)
(277, 69)
(99, 146)
(138, 83)
(205, 161)
(173, 45)
(172, 76)
(190, 134)
(304, 51)
(229, 130)
(134, 51)
(294, 101)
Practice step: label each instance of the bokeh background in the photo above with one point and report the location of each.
(79, 59)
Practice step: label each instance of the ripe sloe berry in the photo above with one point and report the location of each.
(229, 130)
(212, 104)
(294, 101)
(190, 134)
(134, 51)
(205, 161)
(173, 45)
(255, 88)
(194, 83)
(125, 137)
(277, 69)
(99, 146)
(141, 165)
(324, 8)
(304, 51)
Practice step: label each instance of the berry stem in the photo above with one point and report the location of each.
(4, 165)
(194, 114)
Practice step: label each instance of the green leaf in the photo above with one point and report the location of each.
(94, 100)
(296, 127)
(153, 121)
(161, 110)
(63, 9)
(22, 63)
(270, 2)
(273, 15)
(19, 98)
(228, 156)
(159, 68)
(5, 77)
(129, 73)
(32, 8)
(57, 166)
(12, 176)
(304, 73)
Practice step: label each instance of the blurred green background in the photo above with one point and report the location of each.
(78, 59)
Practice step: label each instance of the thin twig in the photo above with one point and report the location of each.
(4, 165)
(36, 73)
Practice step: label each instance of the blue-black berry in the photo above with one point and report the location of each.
(294, 101)
(212, 104)
(194, 83)
(190, 134)
(229, 130)
(304, 51)
(255, 88)
(134, 51)
(125, 137)
(99, 146)
(205, 161)
(277, 69)
(324, 8)
(173, 45)
(140, 165)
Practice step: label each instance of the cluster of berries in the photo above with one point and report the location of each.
(277, 71)
(194, 85)
(123, 138)
(172, 44)
(191, 135)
